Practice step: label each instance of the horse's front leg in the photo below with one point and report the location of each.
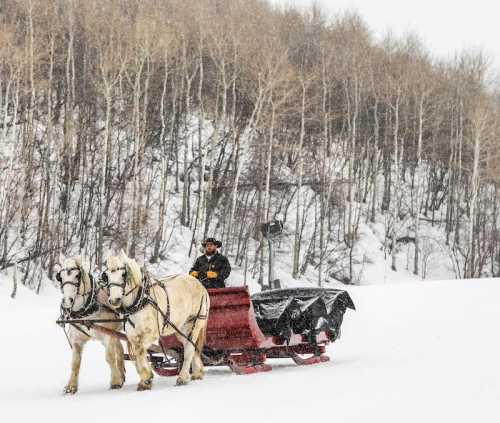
(142, 364)
(76, 359)
(114, 357)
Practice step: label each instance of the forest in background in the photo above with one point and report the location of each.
(245, 113)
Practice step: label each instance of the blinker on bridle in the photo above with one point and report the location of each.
(75, 284)
(108, 284)
(89, 306)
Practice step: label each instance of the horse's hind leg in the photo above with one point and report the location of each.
(189, 352)
(198, 370)
(114, 357)
(76, 359)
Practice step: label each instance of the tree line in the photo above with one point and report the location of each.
(110, 111)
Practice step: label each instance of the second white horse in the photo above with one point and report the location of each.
(177, 306)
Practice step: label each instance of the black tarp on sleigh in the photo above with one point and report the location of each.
(305, 311)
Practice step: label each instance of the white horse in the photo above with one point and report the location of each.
(80, 301)
(177, 306)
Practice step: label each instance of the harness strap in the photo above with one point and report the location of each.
(90, 306)
(198, 316)
(78, 328)
(144, 298)
(138, 303)
(168, 322)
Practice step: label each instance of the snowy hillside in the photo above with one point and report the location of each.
(372, 258)
(415, 352)
(122, 131)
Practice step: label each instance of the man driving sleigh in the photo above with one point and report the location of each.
(212, 268)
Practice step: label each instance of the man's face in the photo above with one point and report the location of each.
(210, 248)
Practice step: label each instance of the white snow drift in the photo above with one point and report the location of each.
(416, 352)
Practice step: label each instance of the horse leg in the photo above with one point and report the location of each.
(76, 359)
(142, 365)
(198, 369)
(114, 357)
(189, 352)
(120, 359)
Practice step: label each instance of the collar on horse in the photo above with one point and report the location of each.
(89, 307)
(144, 298)
(141, 298)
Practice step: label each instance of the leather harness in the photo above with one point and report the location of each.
(90, 306)
(144, 298)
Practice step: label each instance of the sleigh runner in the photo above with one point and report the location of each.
(243, 332)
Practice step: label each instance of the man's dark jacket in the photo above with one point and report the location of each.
(218, 263)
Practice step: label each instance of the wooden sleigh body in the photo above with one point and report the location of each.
(234, 339)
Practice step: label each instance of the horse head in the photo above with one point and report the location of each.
(73, 280)
(122, 276)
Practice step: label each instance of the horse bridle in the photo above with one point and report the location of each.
(89, 304)
(75, 284)
(125, 277)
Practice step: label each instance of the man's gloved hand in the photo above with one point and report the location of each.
(194, 274)
(212, 275)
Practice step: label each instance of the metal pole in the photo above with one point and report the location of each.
(271, 264)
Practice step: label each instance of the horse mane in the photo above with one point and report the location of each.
(84, 274)
(133, 269)
(86, 280)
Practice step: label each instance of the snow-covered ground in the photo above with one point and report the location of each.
(413, 352)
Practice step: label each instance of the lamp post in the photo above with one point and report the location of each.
(270, 231)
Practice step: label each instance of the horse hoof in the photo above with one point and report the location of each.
(199, 376)
(70, 389)
(116, 386)
(181, 382)
(145, 386)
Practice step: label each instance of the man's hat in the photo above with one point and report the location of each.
(217, 243)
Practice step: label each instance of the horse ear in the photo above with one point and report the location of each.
(80, 265)
(129, 270)
(57, 272)
(83, 262)
(123, 256)
(81, 287)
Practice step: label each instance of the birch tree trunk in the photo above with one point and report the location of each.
(418, 188)
(395, 202)
(300, 171)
